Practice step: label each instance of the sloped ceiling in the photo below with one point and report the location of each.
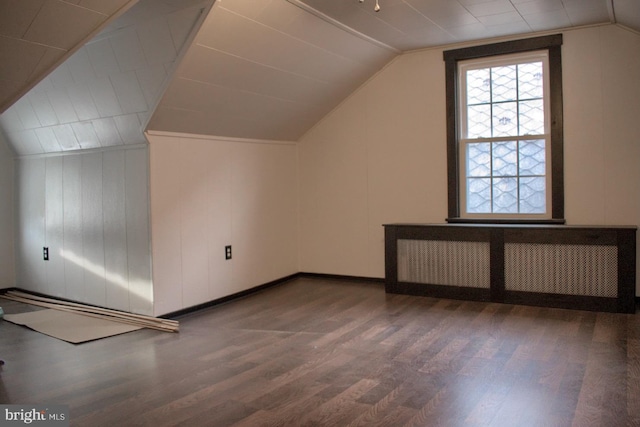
(36, 35)
(272, 69)
(103, 94)
(415, 24)
(264, 70)
(267, 69)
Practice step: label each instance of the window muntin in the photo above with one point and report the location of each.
(504, 139)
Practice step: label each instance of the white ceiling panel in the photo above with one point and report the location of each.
(53, 26)
(102, 58)
(17, 15)
(64, 107)
(157, 42)
(265, 72)
(129, 127)
(82, 101)
(460, 20)
(128, 50)
(530, 7)
(104, 97)
(35, 35)
(86, 134)
(48, 140)
(266, 69)
(151, 81)
(107, 132)
(27, 114)
(187, 94)
(23, 56)
(128, 93)
(43, 109)
(80, 66)
(28, 142)
(66, 137)
(218, 68)
(271, 47)
(97, 97)
(494, 7)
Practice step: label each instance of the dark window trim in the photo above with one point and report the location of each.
(553, 45)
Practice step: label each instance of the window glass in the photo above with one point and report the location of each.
(505, 138)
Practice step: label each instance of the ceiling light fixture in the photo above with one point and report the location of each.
(377, 6)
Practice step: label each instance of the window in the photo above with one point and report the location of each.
(504, 132)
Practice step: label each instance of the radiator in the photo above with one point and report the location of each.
(442, 262)
(573, 267)
(562, 269)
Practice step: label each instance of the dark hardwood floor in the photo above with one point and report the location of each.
(314, 352)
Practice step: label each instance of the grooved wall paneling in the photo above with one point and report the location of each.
(209, 193)
(91, 211)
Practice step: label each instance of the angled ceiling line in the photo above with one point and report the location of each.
(342, 26)
(612, 11)
(310, 9)
(34, 43)
(190, 110)
(221, 138)
(407, 2)
(282, 70)
(249, 92)
(172, 73)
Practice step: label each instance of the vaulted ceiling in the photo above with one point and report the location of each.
(267, 69)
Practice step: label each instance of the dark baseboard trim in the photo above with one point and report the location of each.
(228, 298)
(341, 277)
(5, 290)
(247, 292)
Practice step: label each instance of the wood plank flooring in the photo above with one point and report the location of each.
(315, 352)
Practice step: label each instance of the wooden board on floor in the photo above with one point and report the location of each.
(70, 327)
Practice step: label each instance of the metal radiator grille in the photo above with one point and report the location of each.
(441, 262)
(562, 269)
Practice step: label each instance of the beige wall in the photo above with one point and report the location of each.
(380, 157)
(207, 193)
(7, 276)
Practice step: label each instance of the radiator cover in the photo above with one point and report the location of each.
(559, 266)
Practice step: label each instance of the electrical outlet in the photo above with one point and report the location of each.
(227, 252)
(45, 253)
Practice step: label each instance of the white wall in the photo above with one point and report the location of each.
(91, 211)
(207, 193)
(381, 156)
(7, 272)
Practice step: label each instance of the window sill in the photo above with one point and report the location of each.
(553, 221)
